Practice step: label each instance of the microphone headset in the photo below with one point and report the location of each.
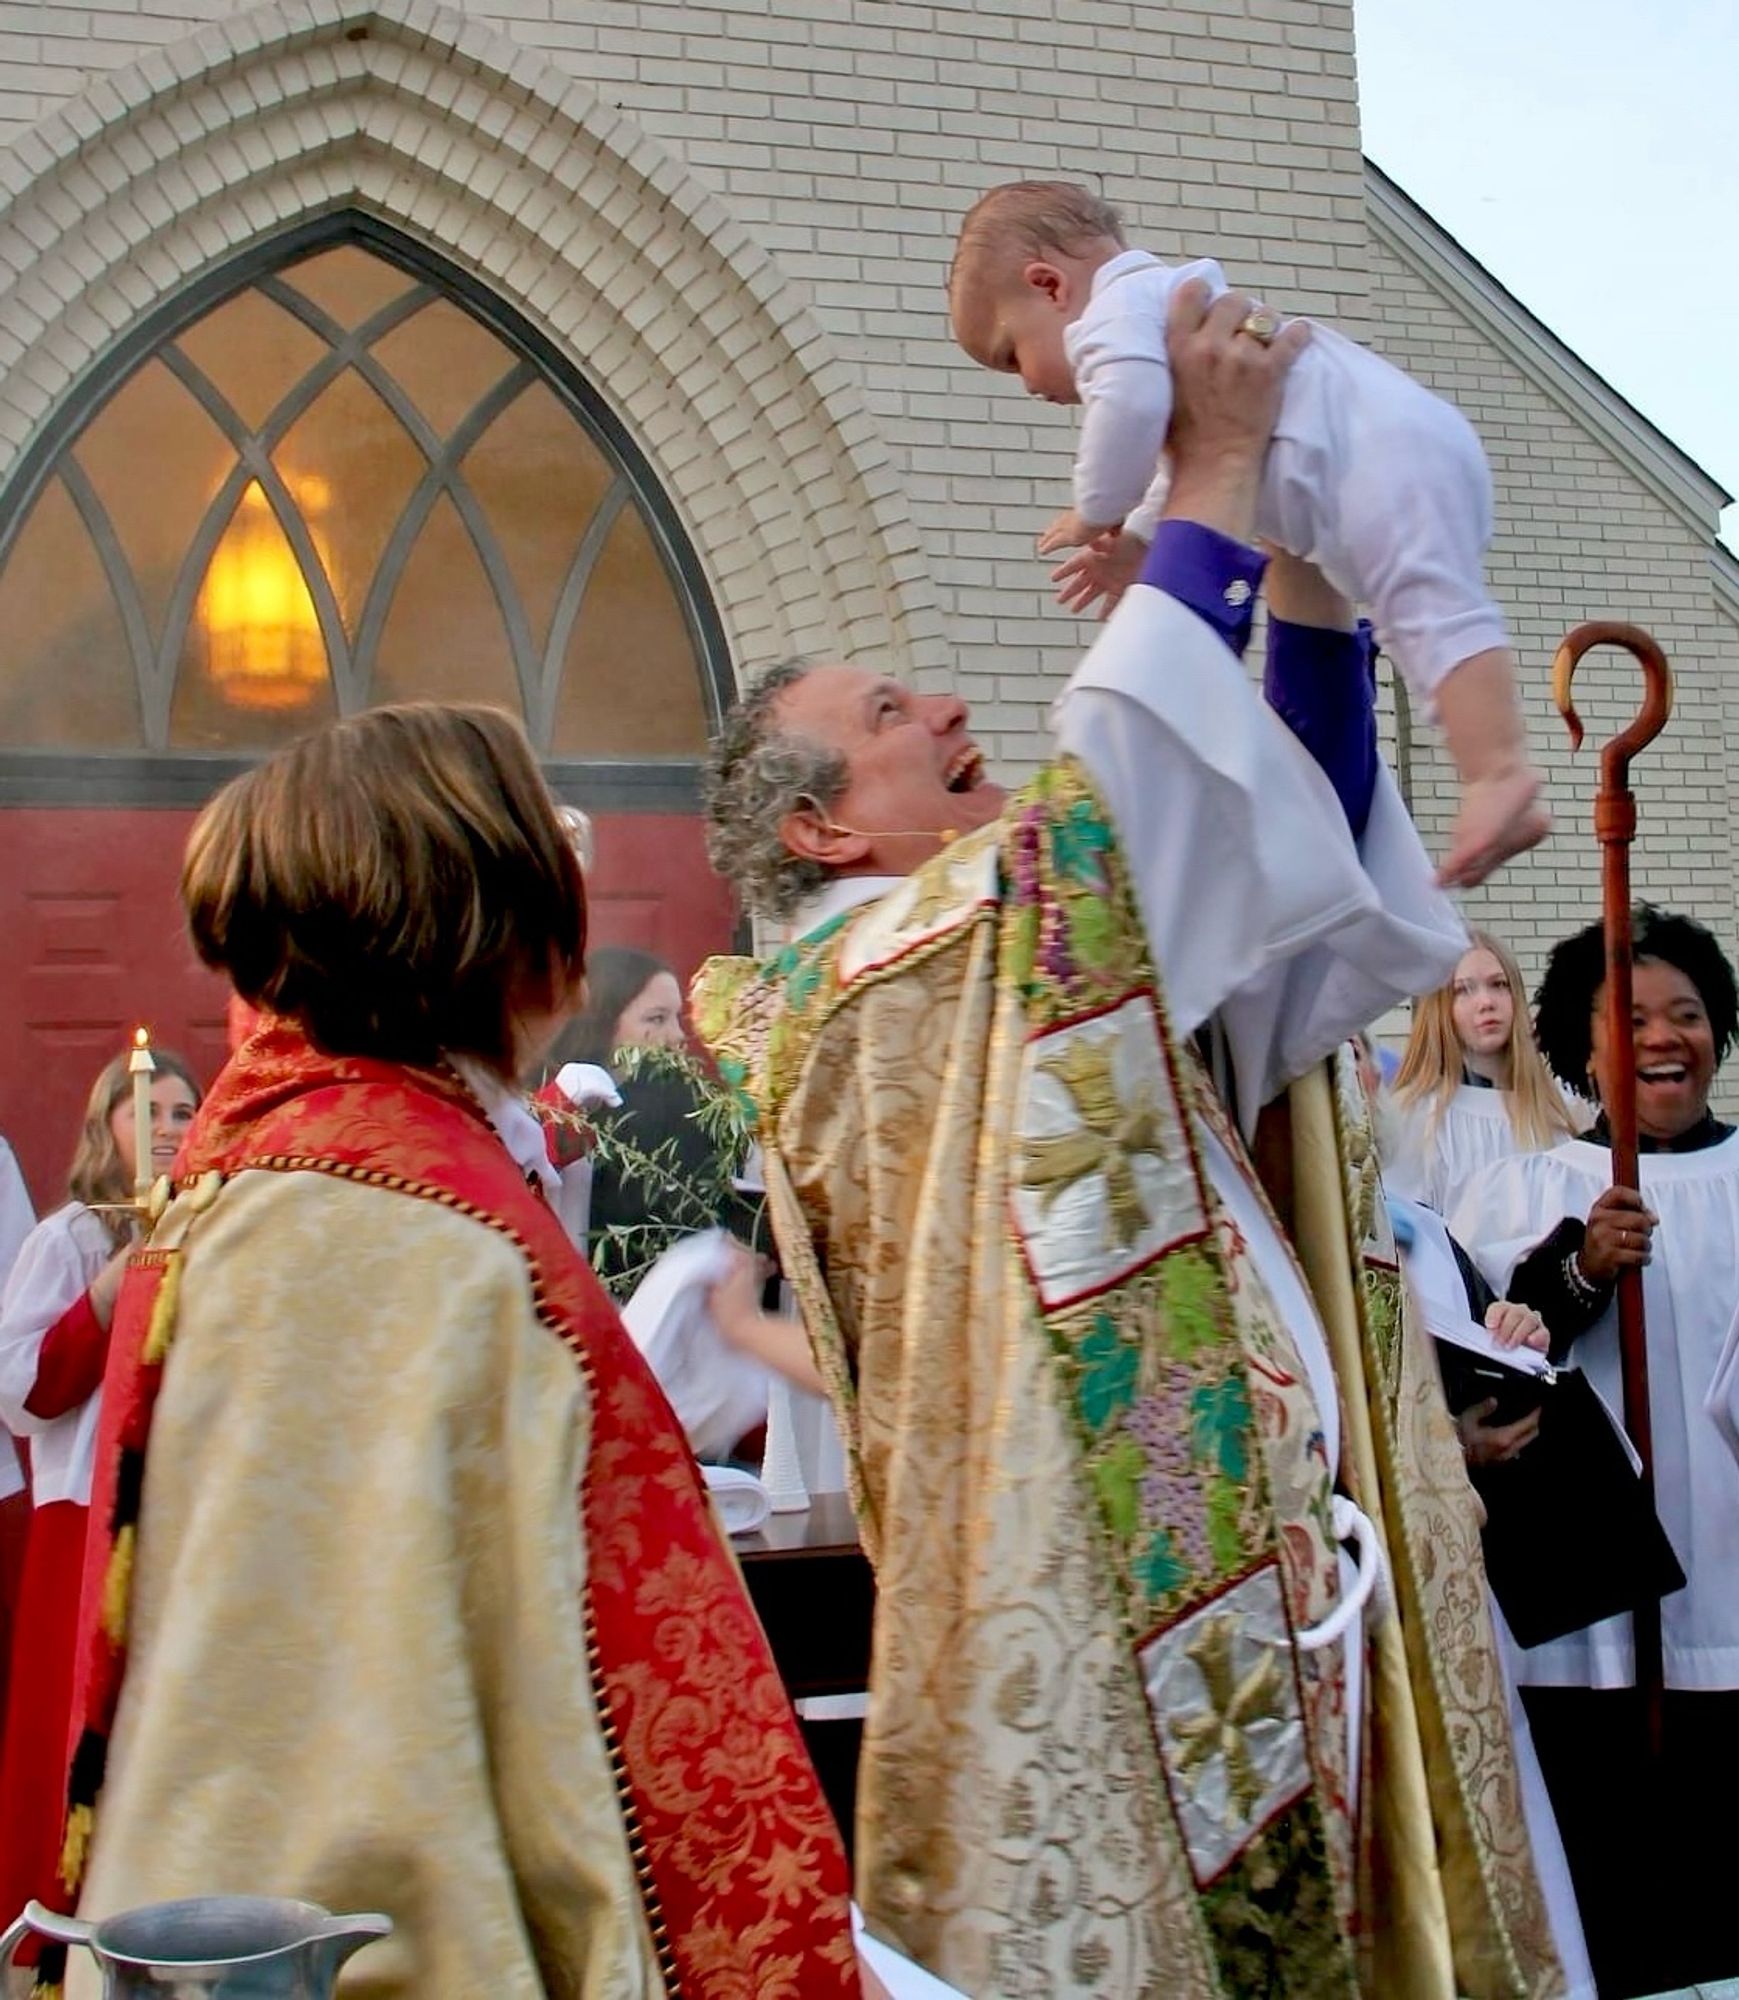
(945, 838)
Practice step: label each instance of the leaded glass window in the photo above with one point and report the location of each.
(344, 480)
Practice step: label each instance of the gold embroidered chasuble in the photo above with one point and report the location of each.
(1084, 1453)
(1461, 1900)
(391, 1786)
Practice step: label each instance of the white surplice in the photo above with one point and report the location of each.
(1691, 1290)
(1439, 1152)
(60, 1258)
(1722, 1400)
(1440, 1293)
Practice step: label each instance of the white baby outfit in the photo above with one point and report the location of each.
(1381, 484)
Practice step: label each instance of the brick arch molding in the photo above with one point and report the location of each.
(418, 114)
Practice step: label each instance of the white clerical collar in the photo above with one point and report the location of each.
(515, 1125)
(833, 898)
(1120, 266)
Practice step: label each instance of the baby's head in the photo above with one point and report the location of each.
(1023, 269)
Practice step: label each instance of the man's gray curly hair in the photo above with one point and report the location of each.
(756, 773)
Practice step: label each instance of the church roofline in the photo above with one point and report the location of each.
(1428, 249)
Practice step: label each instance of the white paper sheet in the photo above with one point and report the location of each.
(903, 1979)
(1468, 1333)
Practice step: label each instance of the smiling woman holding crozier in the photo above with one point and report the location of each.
(1551, 1230)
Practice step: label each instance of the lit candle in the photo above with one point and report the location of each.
(142, 1069)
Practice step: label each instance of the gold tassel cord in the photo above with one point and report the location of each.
(79, 1822)
(118, 1586)
(162, 1326)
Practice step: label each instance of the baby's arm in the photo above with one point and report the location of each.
(1127, 405)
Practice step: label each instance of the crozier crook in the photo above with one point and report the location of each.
(1615, 829)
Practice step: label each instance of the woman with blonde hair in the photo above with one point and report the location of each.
(1473, 1087)
(55, 1317)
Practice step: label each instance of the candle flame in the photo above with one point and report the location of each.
(141, 1038)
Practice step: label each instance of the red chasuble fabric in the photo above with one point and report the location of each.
(740, 1866)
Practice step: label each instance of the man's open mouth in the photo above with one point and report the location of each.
(965, 769)
(1663, 1073)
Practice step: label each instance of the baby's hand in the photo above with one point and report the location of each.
(1104, 569)
(1501, 816)
(1069, 531)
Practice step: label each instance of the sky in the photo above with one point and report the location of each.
(1587, 153)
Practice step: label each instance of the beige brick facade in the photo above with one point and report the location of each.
(1597, 517)
(736, 218)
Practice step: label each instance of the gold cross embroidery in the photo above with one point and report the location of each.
(1222, 1728)
(1112, 1135)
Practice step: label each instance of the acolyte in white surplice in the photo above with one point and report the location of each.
(1438, 1152)
(1691, 1290)
(60, 1260)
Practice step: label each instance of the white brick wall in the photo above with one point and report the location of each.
(846, 137)
(1580, 536)
(167, 165)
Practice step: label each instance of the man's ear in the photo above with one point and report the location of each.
(1047, 280)
(814, 835)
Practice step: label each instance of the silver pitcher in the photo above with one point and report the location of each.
(229, 1947)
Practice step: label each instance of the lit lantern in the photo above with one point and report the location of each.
(263, 643)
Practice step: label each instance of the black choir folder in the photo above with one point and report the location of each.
(1569, 1537)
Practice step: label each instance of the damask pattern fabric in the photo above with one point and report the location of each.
(1063, 1435)
(1080, 1434)
(427, 1608)
(1457, 1839)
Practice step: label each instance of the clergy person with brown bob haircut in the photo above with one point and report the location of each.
(403, 1590)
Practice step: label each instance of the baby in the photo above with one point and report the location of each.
(1380, 484)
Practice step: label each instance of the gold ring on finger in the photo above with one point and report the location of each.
(1261, 323)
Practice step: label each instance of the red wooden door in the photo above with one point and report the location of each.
(93, 944)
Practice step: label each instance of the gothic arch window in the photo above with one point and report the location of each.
(340, 473)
